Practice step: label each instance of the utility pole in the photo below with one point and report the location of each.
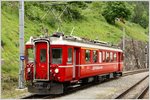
(123, 48)
(146, 52)
(147, 55)
(21, 42)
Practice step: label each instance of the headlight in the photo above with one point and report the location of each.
(56, 70)
(28, 70)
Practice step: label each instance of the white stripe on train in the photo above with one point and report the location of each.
(90, 64)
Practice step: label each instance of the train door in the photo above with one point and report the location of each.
(76, 63)
(119, 60)
(41, 69)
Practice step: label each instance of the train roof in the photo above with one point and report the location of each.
(61, 39)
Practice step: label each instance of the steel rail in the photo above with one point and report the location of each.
(119, 96)
(142, 94)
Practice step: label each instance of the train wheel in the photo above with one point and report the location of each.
(115, 75)
(96, 79)
(65, 87)
(84, 81)
(107, 76)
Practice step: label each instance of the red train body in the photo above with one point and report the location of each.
(57, 61)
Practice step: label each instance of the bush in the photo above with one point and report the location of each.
(72, 13)
(33, 12)
(115, 10)
(140, 13)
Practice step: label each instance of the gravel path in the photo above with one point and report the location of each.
(106, 90)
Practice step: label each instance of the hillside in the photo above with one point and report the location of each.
(93, 26)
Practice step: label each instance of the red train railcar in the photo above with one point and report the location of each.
(52, 63)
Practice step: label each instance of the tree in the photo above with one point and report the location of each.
(114, 10)
(140, 13)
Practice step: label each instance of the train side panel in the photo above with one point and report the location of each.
(100, 67)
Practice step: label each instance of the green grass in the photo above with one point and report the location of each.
(92, 26)
(134, 31)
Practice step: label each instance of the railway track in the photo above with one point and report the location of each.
(127, 93)
(142, 94)
(71, 90)
(126, 73)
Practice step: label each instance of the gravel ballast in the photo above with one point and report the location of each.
(106, 90)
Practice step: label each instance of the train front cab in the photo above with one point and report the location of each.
(42, 82)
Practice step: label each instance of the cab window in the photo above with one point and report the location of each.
(69, 60)
(43, 55)
(56, 56)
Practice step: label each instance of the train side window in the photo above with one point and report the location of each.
(107, 56)
(115, 56)
(95, 53)
(104, 56)
(111, 56)
(100, 57)
(87, 55)
(43, 55)
(69, 60)
(56, 55)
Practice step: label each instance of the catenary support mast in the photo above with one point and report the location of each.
(21, 46)
(123, 39)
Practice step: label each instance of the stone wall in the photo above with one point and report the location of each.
(135, 55)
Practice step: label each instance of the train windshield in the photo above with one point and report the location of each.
(30, 55)
(56, 55)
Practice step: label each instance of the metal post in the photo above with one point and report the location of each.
(146, 56)
(123, 40)
(21, 46)
(123, 47)
(0, 38)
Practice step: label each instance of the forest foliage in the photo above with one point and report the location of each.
(136, 11)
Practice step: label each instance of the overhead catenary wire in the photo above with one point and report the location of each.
(68, 11)
(45, 14)
(57, 17)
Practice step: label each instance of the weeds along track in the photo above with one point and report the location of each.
(80, 87)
